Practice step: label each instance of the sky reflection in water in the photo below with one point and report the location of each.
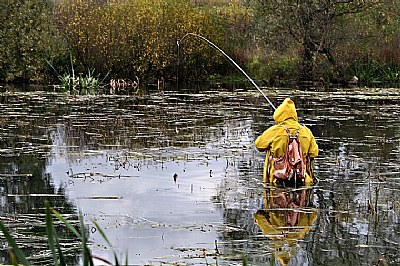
(114, 158)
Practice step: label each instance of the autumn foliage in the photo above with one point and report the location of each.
(43, 40)
(138, 38)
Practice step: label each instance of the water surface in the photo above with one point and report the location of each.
(174, 177)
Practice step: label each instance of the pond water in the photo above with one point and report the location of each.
(174, 178)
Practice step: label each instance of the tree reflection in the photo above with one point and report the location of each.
(25, 185)
(24, 188)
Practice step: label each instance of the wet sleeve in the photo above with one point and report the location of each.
(313, 151)
(264, 141)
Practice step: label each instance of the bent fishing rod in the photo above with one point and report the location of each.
(231, 60)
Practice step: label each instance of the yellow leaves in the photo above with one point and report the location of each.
(122, 34)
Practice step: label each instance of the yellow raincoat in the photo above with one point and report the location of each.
(274, 140)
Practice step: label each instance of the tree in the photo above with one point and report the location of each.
(316, 25)
(27, 38)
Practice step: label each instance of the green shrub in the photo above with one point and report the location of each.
(28, 38)
(371, 72)
(276, 70)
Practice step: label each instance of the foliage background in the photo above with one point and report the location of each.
(138, 38)
(27, 37)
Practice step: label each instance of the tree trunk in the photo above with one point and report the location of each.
(308, 64)
(309, 53)
(339, 71)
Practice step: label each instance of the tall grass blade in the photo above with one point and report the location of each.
(53, 236)
(50, 234)
(60, 252)
(102, 81)
(87, 258)
(72, 66)
(69, 226)
(103, 235)
(47, 61)
(12, 258)
(18, 253)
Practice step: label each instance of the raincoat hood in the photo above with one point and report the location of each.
(285, 111)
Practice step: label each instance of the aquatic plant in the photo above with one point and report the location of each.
(371, 71)
(54, 242)
(87, 84)
(390, 74)
(78, 84)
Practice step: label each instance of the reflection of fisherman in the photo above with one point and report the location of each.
(274, 140)
(288, 217)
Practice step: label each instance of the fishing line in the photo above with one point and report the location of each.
(230, 59)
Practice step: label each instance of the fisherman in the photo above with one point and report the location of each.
(274, 141)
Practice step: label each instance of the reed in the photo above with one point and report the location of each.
(82, 84)
(78, 84)
(17, 256)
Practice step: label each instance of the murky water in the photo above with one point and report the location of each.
(174, 177)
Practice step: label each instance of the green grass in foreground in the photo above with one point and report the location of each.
(17, 256)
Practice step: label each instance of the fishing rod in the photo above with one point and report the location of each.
(230, 59)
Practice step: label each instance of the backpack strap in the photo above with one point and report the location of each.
(290, 134)
(298, 131)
